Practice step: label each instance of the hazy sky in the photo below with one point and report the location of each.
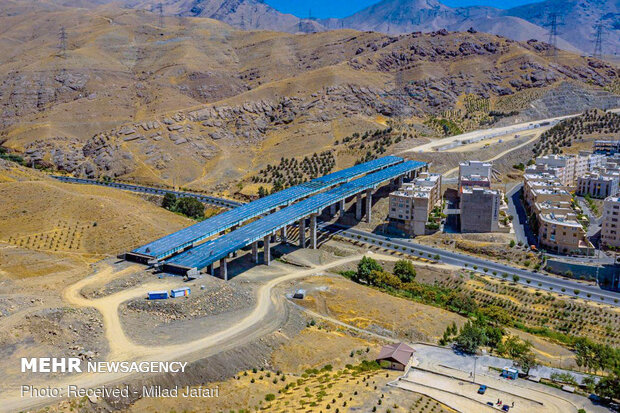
(342, 8)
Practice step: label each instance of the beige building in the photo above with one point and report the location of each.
(475, 174)
(597, 185)
(563, 233)
(563, 167)
(610, 227)
(412, 203)
(480, 209)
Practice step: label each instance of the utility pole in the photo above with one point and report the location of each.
(598, 41)
(62, 44)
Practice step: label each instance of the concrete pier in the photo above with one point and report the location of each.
(302, 233)
(224, 269)
(267, 249)
(368, 205)
(313, 231)
(358, 207)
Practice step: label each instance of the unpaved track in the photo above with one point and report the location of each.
(122, 348)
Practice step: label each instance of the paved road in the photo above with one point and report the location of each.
(521, 226)
(490, 133)
(222, 202)
(537, 280)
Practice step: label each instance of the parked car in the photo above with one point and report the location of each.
(505, 408)
(482, 389)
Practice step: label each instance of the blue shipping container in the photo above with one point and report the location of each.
(158, 295)
(180, 292)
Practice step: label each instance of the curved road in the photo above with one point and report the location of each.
(255, 324)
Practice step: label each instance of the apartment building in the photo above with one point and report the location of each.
(610, 227)
(480, 209)
(412, 203)
(606, 147)
(563, 233)
(475, 174)
(562, 166)
(597, 185)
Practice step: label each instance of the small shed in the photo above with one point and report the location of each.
(396, 356)
(158, 295)
(180, 292)
(510, 373)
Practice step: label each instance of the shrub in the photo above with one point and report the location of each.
(270, 397)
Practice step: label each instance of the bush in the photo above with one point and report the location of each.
(405, 270)
(270, 397)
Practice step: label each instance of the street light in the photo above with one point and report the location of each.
(475, 361)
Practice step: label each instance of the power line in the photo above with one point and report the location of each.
(598, 41)
(160, 9)
(553, 34)
(62, 43)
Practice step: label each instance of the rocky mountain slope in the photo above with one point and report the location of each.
(577, 18)
(200, 104)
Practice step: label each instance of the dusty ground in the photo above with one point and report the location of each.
(378, 312)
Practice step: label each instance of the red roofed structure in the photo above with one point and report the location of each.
(397, 355)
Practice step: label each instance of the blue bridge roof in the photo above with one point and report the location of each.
(186, 237)
(214, 250)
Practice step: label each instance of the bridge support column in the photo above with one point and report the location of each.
(358, 207)
(255, 252)
(368, 205)
(283, 235)
(400, 180)
(341, 205)
(313, 231)
(302, 233)
(210, 269)
(332, 209)
(224, 269)
(267, 249)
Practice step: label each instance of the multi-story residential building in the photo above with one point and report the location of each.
(610, 227)
(563, 233)
(475, 174)
(411, 204)
(562, 165)
(597, 185)
(480, 209)
(606, 147)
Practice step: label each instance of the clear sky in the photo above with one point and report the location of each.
(342, 8)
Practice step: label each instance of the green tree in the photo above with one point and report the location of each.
(405, 270)
(470, 338)
(365, 268)
(462, 303)
(190, 207)
(608, 387)
(170, 201)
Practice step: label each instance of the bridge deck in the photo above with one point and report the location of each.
(214, 250)
(189, 236)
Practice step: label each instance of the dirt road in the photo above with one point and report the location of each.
(255, 324)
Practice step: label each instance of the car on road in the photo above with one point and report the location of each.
(505, 408)
(482, 389)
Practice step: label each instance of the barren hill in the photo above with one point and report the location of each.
(201, 104)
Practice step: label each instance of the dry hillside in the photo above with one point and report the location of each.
(200, 104)
(49, 227)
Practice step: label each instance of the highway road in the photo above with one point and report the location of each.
(221, 202)
(483, 134)
(537, 280)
